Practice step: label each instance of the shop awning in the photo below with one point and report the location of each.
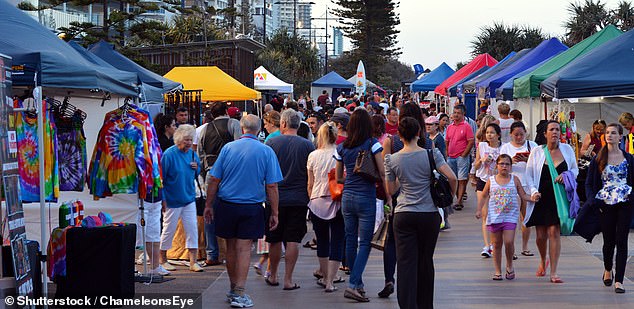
(528, 85)
(215, 84)
(607, 70)
(35, 49)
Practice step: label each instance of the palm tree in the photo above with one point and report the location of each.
(586, 19)
(623, 16)
(499, 40)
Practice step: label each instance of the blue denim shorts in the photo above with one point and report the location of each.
(460, 166)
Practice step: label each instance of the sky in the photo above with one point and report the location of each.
(436, 31)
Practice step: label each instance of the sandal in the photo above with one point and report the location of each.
(317, 275)
(510, 275)
(355, 295)
(497, 277)
(527, 253)
(327, 290)
(556, 280)
(541, 272)
(321, 283)
(339, 280)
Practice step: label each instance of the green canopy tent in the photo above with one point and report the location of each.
(528, 85)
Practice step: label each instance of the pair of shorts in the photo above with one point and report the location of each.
(460, 166)
(499, 227)
(241, 221)
(291, 225)
(152, 216)
(480, 184)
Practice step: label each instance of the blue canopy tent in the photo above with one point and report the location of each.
(470, 86)
(36, 50)
(331, 82)
(453, 90)
(105, 67)
(543, 51)
(152, 83)
(607, 70)
(430, 81)
(505, 92)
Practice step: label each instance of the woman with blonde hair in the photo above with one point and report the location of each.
(325, 213)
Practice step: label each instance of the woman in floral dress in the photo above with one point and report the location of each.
(609, 187)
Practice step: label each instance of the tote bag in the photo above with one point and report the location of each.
(563, 205)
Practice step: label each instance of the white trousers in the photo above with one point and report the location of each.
(187, 214)
(152, 214)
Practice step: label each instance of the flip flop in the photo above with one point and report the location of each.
(317, 275)
(527, 253)
(510, 275)
(271, 283)
(321, 283)
(556, 280)
(541, 272)
(334, 288)
(339, 280)
(497, 277)
(294, 287)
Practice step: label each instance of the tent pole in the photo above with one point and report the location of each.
(37, 95)
(530, 116)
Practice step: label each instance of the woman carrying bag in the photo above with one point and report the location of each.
(416, 218)
(609, 187)
(549, 214)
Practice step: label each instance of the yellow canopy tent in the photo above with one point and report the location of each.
(215, 84)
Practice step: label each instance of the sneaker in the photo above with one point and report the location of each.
(168, 266)
(139, 260)
(241, 301)
(159, 270)
(486, 252)
(231, 295)
(196, 268)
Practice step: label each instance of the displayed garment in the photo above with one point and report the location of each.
(127, 155)
(28, 157)
(71, 150)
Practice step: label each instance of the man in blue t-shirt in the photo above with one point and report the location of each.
(292, 153)
(245, 174)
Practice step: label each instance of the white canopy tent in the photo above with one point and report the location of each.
(265, 80)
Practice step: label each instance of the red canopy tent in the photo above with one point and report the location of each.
(475, 64)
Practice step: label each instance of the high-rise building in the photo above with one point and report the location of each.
(293, 15)
(263, 9)
(338, 41)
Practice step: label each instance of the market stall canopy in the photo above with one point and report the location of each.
(430, 81)
(215, 84)
(453, 90)
(106, 52)
(35, 49)
(474, 65)
(105, 67)
(528, 86)
(505, 92)
(265, 80)
(470, 86)
(607, 70)
(332, 80)
(543, 51)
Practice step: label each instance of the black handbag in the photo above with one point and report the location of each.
(366, 167)
(439, 186)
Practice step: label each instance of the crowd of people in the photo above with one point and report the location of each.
(294, 157)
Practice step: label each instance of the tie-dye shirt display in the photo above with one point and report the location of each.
(71, 152)
(126, 156)
(28, 157)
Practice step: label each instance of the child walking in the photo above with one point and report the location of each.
(503, 191)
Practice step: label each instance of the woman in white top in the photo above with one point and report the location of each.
(324, 212)
(518, 149)
(543, 213)
(487, 152)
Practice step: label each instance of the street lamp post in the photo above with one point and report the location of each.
(326, 52)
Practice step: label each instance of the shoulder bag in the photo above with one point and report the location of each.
(336, 189)
(439, 187)
(366, 167)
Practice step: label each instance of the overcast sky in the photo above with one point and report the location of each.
(436, 31)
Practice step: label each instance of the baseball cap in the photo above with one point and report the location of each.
(340, 110)
(341, 118)
(431, 120)
(233, 111)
